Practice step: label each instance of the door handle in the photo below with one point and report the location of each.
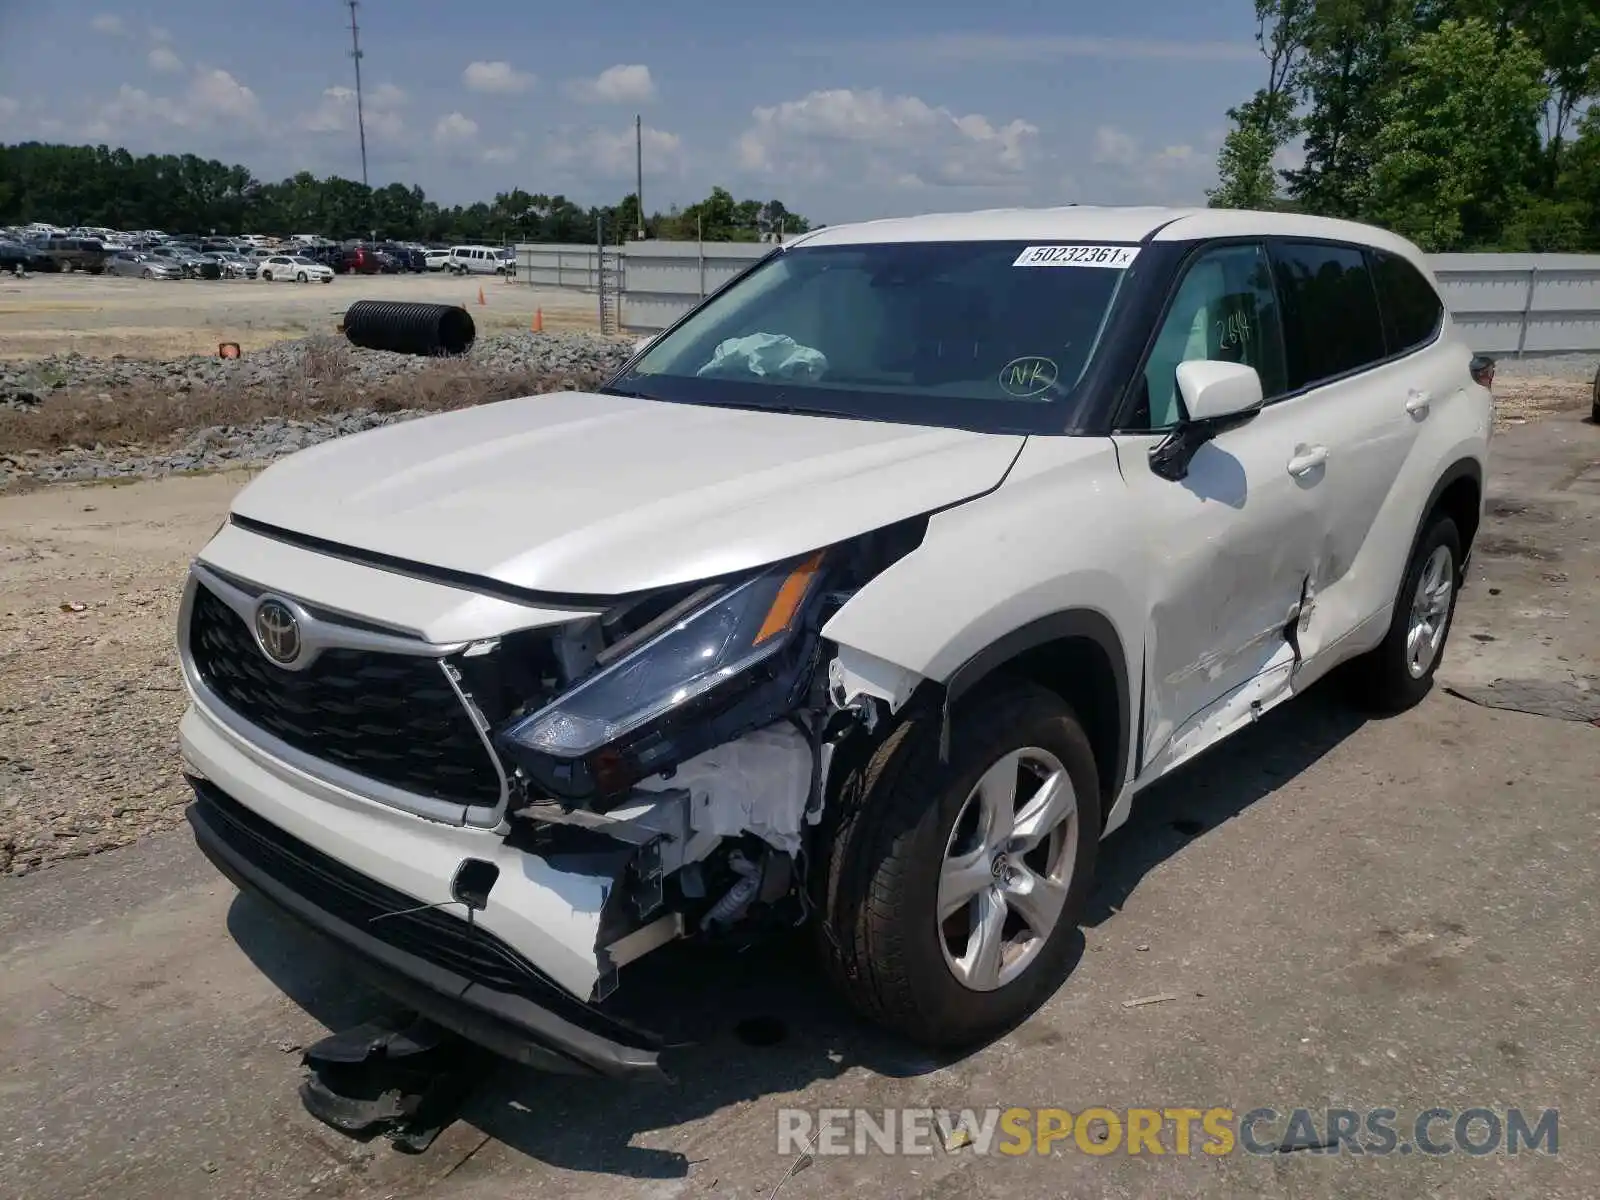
(1307, 459)
(1418, 403)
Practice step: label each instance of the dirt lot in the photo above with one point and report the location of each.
(1343, 913)
(103, 315)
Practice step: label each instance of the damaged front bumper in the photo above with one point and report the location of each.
(450, 971)
(519, 976)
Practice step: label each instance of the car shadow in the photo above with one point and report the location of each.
(744, 1026)
(1217, 786)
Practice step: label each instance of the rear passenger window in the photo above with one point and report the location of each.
(1411, 308)
(1330, 311)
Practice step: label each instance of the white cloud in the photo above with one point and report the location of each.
(499, 78)
(220, 94)
(621, 84)
(500, 155)
(159, 33)
(455, 127)
(162, 58)
(336, 112)
(894, 140)
(109, 24)
(951, 49)
(1174, 173)
(9, 107)
(612, 154)
(213, 98)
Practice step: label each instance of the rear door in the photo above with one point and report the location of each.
(1362, 368)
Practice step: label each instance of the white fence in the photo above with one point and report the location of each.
(1511, 305)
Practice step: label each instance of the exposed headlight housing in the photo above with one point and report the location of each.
(731, 664)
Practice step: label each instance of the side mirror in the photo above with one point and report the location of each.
(1218, 396)
(1213, 390)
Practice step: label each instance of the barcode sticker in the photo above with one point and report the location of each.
(1115, 257)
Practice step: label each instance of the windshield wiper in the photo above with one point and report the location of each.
(608, 390)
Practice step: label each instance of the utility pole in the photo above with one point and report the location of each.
(638, 160)
(355, 53)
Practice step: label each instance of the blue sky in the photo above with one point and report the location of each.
(843, 110)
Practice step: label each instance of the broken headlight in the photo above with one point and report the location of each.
(727, 665)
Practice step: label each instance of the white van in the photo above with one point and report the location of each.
(476, 260)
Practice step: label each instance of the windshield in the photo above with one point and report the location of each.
(984, 335)
(303, 262)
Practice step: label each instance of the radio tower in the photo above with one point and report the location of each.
(355, 53)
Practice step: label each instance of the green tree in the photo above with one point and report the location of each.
(95, 185)
(1351, 58)
(1459, 134)
(1266, 122)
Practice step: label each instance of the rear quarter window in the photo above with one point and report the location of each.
(1332, 325)
(1412, 310)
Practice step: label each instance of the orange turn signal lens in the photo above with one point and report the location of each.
(786, 604)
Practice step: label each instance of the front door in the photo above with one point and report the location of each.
(1230, 546)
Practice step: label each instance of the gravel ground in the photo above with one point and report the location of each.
(102, 315)
(565, 359)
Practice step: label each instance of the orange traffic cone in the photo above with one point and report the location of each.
(481, 300)
(538, 321)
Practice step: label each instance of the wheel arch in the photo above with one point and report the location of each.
(1458, 494)
(1077, 654)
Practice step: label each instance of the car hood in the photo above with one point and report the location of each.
(601, 495)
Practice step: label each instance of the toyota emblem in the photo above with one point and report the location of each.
(278, 632)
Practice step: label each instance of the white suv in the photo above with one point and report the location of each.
(869, 595)
(477, 260)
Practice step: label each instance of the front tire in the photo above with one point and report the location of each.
(1398, 673)
(953, 892)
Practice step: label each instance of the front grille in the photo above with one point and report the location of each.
(393, 718)
(437, 937)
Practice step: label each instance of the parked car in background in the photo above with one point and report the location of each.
(233, 265)
(436, 260)
(139, 265)
(75, 254)
(295, 268)
(19, 256)
(184, 259)
(361, 260)
(408, 258)
(477, 260)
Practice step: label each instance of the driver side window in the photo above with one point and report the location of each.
(1225, 310)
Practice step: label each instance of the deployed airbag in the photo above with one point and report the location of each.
(772, 354)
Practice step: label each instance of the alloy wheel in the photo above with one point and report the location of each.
(1430, 611)
(1007, 869)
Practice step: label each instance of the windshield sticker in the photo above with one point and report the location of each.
(1115, 257)
(1028, 376)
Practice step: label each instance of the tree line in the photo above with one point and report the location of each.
(103, 187)
(1461, 124)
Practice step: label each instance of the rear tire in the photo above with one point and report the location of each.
(267, 275)
(147, 273)
(915, 874)
(1399, 671)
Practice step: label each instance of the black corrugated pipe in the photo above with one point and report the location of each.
(406, 328)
